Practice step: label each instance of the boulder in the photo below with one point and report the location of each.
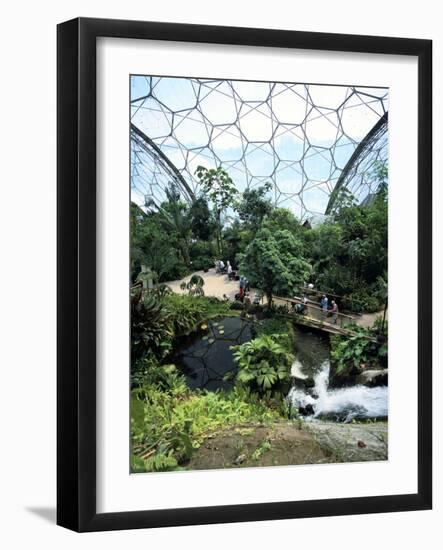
(373, 377)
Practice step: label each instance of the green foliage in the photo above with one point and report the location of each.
(220, 190)
(217, 186)
(277, 326)
(153, 246)
(349, 254)
(148, 371)
(274, 263)
(158, 316)
(343, 198)
(194, 286)
(350, 353)
(161, 462)
(263, 447)
(254, 206)
(202, 221)
(186, 312)
(280, 219)
(166, 424)
(235, 239)
(202, 255)
(176, 219)
(264, 364)
(151, 326)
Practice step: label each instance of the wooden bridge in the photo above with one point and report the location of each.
(314, 317)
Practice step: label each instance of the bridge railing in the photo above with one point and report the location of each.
(315, 312)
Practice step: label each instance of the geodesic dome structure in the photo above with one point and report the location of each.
(305, 139)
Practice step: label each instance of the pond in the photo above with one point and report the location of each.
(205, 357)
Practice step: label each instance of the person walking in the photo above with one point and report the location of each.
(334, 312)
(324, 305)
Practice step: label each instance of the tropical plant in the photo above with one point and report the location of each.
(254, 206)
(174, 425)
(202, 221)
(274, 263)
(194, 286)
(151, 326)
(220, 190)
(176, 218)
(151, 246)
(363, 349)
(264, 364)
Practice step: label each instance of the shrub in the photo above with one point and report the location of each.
(349, 353)
(201, 264)
(264, 364)
(151, 326)
(361, 301)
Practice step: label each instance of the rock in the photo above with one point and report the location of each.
(240, 459)
(373, 377)
(297, 371)
(307, 410)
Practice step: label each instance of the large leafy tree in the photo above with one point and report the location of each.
(220, 190)
(274, 262)
(202, 222)
(349, 253)
(282, 218)
(254, 206)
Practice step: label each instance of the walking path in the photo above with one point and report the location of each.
(218, 285)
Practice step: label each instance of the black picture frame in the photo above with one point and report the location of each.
(76, 281)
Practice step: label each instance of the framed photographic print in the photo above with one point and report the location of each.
(244, 274)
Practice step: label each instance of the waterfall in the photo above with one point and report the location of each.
(341, 404)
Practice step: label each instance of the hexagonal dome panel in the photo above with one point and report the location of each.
(306, 139)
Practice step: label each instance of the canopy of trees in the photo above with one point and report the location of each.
(345, 255)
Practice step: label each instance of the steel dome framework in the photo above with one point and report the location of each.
(307, 140)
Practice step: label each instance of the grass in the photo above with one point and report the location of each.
(167, 426)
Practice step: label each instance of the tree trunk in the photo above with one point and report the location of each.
(219, 233)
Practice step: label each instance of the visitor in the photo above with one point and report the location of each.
(242, 282)
(324, 305)
(257, 298)
(300, 308)
(334, 312)
(221, 266)
(310, 286)
(241, 294)
(229, 269)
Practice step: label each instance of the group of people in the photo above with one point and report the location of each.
(220, 267)
(244, 286)
(333, 308)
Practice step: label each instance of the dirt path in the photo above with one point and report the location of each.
(219, 286)
(291, 443)
(367, 319)
(215, 285)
